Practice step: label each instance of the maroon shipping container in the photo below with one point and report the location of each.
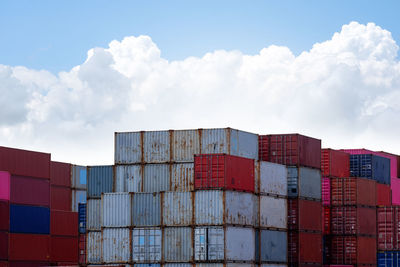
(352, 220)
(82, 249)
(4, 215)
(60, 174)
(27, 264)
(304, 248)
(25, 163)
(3, 263)
(27, 247)
(64, 249)
(353, 250)
(353, 191)
(335, 163)
(291, 149)
(304, 215)
(3, 245)
(388, 225)
(383, 195)
(326, 220)
(64, 223)
(221, 171)
(30, 191)
(60, 198)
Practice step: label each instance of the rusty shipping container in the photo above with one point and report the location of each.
(146, 244)
(178, 208)
(335, 163)
(93, 214)
(270, 178)
(94, 246)
(177, 244)
(116, 245)
(146, 209)
(358, 250)
(352, 220)
(304, 215)
(353, 191)
(116, 210)
(273, 212)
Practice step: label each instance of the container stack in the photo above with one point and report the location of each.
(302, 156)
(82, 233)
(388, 226)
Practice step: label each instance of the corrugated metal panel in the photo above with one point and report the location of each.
(146, 209)
(182, 177)
(209, 265)
(177, 265)
(240, 265)
(274, 265)
(116, 210)
(100, 180)
(185, 144)
(241, 208)
(156, 146)
(209, 244)
(240, 244)
(304, 182)
(177, 208)
(147, 265)
(273, 178)
(128, 148)
(93, 214)
(128, 178)
(209, 207)
(177, 244)
(273, 246)
(156, 178)
(78, 176)
(116, 245)
(146, 244)
(215, 141)
(93, 249)
(78, 196)
(273, 212)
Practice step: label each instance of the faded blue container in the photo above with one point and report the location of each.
(371, 167)
(147, 265)
(29, 219)
(82, 217)
(100, 180)
(146, 209)
(273, 246)
(389, 259)
(304, 182)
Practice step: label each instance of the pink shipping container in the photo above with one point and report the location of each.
(4, 185)
(30, 191)
(326, 191)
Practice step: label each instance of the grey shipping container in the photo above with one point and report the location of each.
(93, 214)
(78, 177)
(182, 177)
(147, 265)
(93, 248)
(146, 244)
(128, 178)
(272, 246)
(116, 210)
(146, 209)
(116, 245)
(229, 264)
(271, 178)
(156, 178)
(178, 265)
(273, 212)
(100, 180)
(178, 208)
(304, 182)
(177, 244)
(78, 196)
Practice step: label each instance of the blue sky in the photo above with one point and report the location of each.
(56, 35)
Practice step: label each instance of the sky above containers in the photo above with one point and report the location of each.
(73, 73)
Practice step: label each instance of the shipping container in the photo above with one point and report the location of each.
(304, 182)
(353, 220)
(146, 209)
(4, 186)
(93, 247)
(291, 149)
(326, 250)
(64, 223)
(388, 259)
(116, 210)
(100, 180)
(27, 247)
(326, 220)
(220, 171)
(371, 167)
(116, 245)
(60, 173)
(147, 265)
(82, 249)
(177, 244)
(64, 248)
(388, 227)
(178, 208)
(3, 263)
(27, 263)
(271, 177)
(78, 177)
(4, 215)
(215, 207)
(182, 177)
(78, 196)
(273, 212)
(3, 245)
(358, 250)
(82, 217)
(129, 178)
(30, 191)
(29, 219)
(273, 246)
(178, 265)
(304, 248)
(326, 191)
(93, 214)
(156, 178)
(25, 163)
(146, 244)
(383, 195)
(60, 198)
(304, 215)
(335, 163)
(353, 191)
(230, 264)
(185, 144)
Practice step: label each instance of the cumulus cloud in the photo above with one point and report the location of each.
(345, 91)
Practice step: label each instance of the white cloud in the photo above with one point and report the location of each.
(345, 91)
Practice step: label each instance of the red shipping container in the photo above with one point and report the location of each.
(61, 198)
(82, 249)
(291, 149)
(383, 195)
(353, 250)
(263, 147)
(64, 223)
(64, 249)
(30, 191)
(335, 163)
(27, 264)
(304, 215)
(353, 191)
(3, 245)
(25, 163)
(348, 220)
(27, 247)
(60, 174)
(304, 248)
(388, 225)
(326, 220)
(3, 263)
(4, 216)
(221, 171)
(326, 191)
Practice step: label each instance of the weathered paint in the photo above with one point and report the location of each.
(273, 178)
(93, 214)
(156, 178)
(178, 208)
(78, 196)
(146, 209)
(273, 212)
(93, 247)
(128, 178)
(182, 177)
(304, 182)
(116, 210)
(116, 245)
(128, 148)
(185, 144)
(78, 177)
(209, 243)
(156, 146)
(147, 265)
(177, 265)
(146, 244)
(240, 244)
(100, 180)
(273, 246)
(177, 244)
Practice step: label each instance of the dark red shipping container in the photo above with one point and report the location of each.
(27, 247)
(353, 191)
(291, 149)
(326, 220)
(352, 220)
(60, 174)
(64, 249)
(30, 191)
(353, 250)
(82, 249)
(221, 171)
(335, 163)
(4, 215)
(60, 198)
(25, 163)
(64, 223)
(388, 225)
(3, 245)
(304, 215)
(304, 248)
(27, 264)
(3, 263)
(383, 195)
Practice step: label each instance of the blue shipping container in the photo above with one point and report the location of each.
(371, 167)
(82, 217)
(29, 219)
(100, 180)
(389, 259)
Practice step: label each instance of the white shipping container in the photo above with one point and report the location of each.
(129, 178)
(273, 212)
(78, 196)
(177, 244)
(116, 245)
(182, 177)
(93, 212)
(93, 247)
(185, 144)
(116, 210)
(272, 178)
(178, 208)
(146, 244)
